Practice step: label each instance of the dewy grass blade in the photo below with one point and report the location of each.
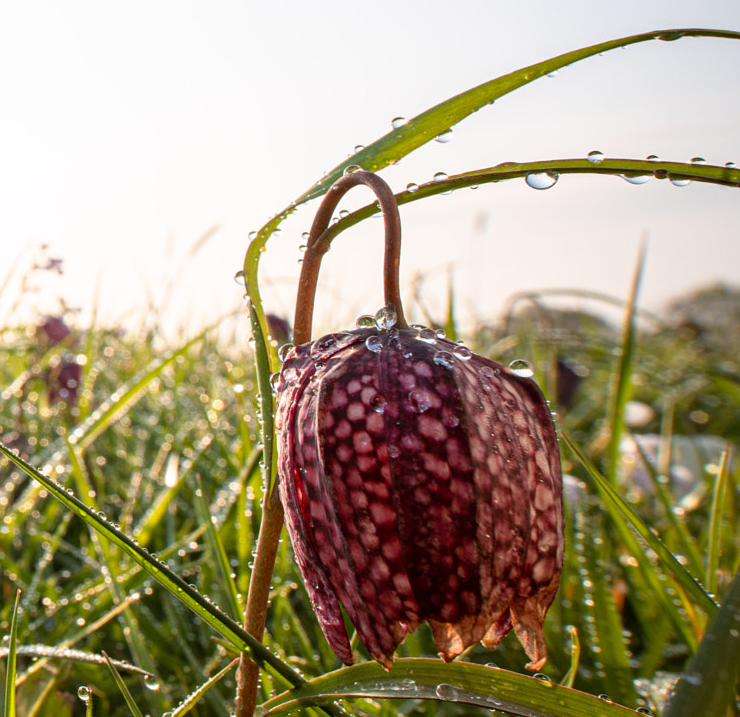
(622, 383)
(715, 522)
(707, 685)
(461, 682)
(11, 666)
(194, 697)
(130, 701)
(172, 582)
(687, 581)
(575, 656)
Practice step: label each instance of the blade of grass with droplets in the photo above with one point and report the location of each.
(707, 685)
(218, 551)
(194, 697)
(130, 701)
(613, 500)
(423, 128)
(622, 375)
(11, 666)
(715, 522)
(172, 582)
(463, 683)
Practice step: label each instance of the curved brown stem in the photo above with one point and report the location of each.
(316, 248)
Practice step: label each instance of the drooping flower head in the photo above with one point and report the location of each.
(421, 482)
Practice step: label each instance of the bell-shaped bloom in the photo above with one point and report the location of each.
(421, 482)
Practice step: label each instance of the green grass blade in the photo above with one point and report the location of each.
(218, 550)
(610, 496)
(460, 682)
(575, 656)
(622, 384)
(715, 522)
(130, 701)
(194, 697)
(12, 663)
(707, 686)
(172, 582)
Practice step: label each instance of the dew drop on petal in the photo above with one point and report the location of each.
(444, 358)
(365, 322)
(374, 344)
(397, 122)
(520, 367)
(386, 317)
(595, 157)
(427, 335)
(284, 350)
(462, 352)
(239, 278)
(446, 136)
(420, 399)
(378, 403)
(541, 180)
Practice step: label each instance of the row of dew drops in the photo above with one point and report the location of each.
(384, 321)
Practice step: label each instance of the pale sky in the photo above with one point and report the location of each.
(129, 129)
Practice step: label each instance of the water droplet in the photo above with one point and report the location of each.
(101, 514)
(653, 158)
(644, 711)
(421, 400)
(84, 693)
(554, 73)
(151, 683)
(541, 180)
(449, 693)
(440, 333)
(635, 178)
(440, 176)
(374, 343)
(680, 182)
(322, 345)
(444, 358)
(595, 157)
(446, 136)
(352, 168)
(366, 321)
(252, 236)
(520, 367)
(606, 698)
(239, 278)
(284, 350)
(359, 148)
(488, 371)
(386, 317)
(462, 352)
(669, 36)
(411, 187)
(697, 160)
(542, 677)
(427, 335)
(397, 122)
(378, 403)
(275, 380)
(344, 213)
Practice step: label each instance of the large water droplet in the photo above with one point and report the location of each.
(239, 278)
(366, 321)
(374, 343)
(730, 165)
(386, 317)
(541, 180)
(635, 178)
(680, 181)
(284, 350)
(359, 148)
(446, 136)
(274, 380)
(444, 358)
(397, 122)
(697, 160)
(595, 157)
(151, 683)
(84, 693)
(520, 367)
(440, 176)
(427, 335)
(653, 158)
(421, 400)
(542, 677)
(352, 168)
(462, 352)
(449, 693)
(411, 187)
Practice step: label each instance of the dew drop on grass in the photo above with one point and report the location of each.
(450, 693)
(520, 367)
(679, 182)
(151, 683)
(554, 73)
(440, 176)
(697, 160)
(605, 698)
(397, 122)
(653, 158)
(595, 157)
(446, 136)
(411, 187)
(730, 165)
(542, 677)
(84, 693)
(352, 168)
(359, 148)
(239, 278)
(635, 178)
(541, 180)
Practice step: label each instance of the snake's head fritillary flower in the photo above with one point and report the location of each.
(421, 482)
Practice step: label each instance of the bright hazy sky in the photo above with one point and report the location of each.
(130, 129)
